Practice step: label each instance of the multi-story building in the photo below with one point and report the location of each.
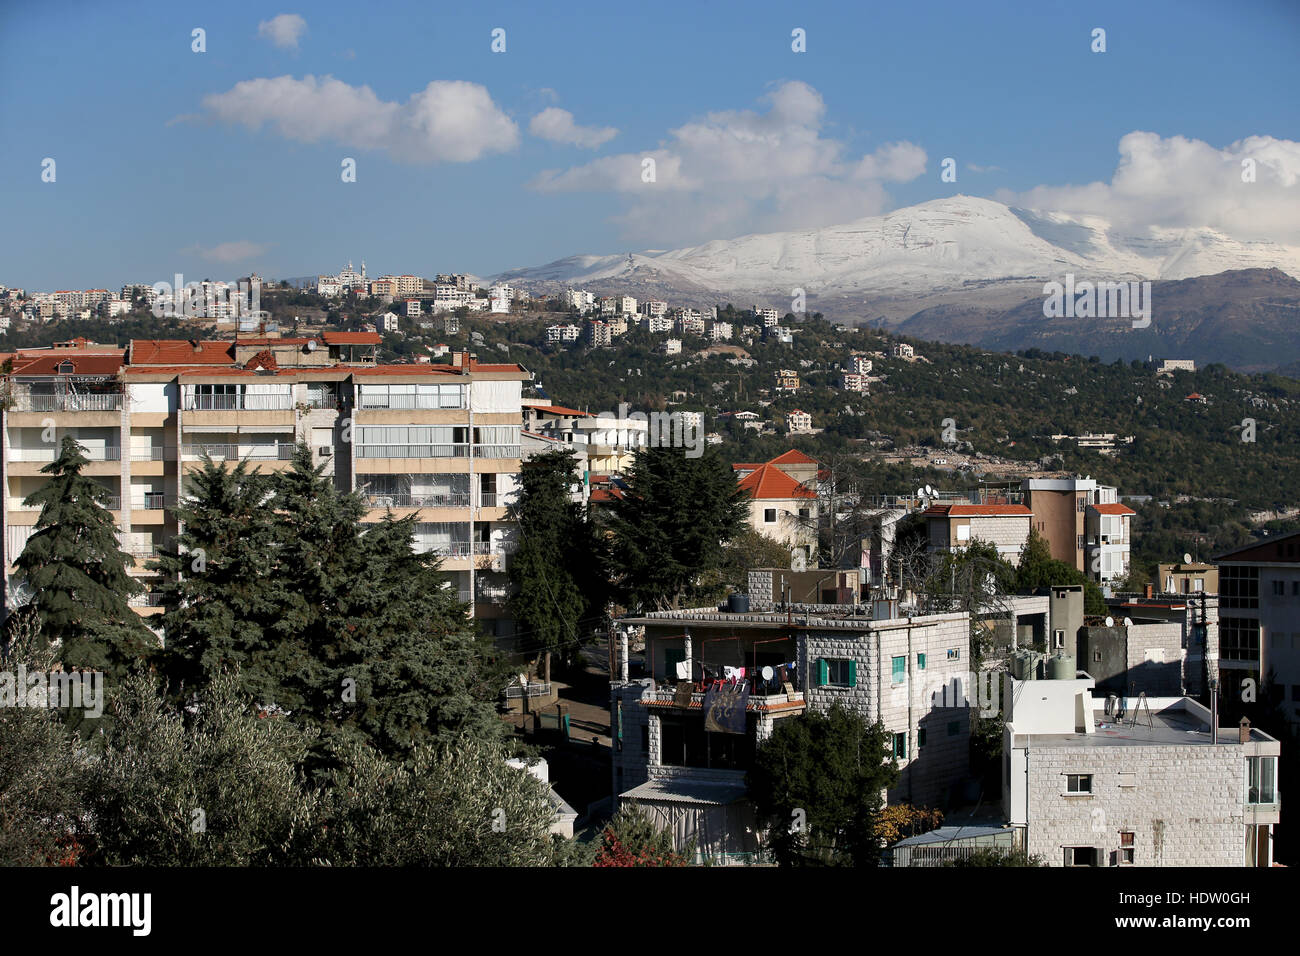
(408, 285)
(784, 508)
(720, 331)
(952, 527)
(769, 317)
(691, 325)
(617, 325)
(690, 778)
(670, 347)
(384, 286)
(1169, 366)
(655, 324)
(1259, 615)
(1060, 507)
(787, 380)
(625, 305)
(562, 333)
(440, 442)
(1108, 538)
(654, 307)
(860, 364)
(903, 350)
(1188, 578)
(412, 307)
(853, 382)
(581, 300)
(798, 422)
(596, 334)
(1084, 785)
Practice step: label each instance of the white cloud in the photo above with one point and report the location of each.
(284, 31)
(557, 125)
(739, 171)
(1178, 182)
(448, 121)
(228, 252)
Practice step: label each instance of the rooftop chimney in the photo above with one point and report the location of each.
(1150, 591)
(1244, 730)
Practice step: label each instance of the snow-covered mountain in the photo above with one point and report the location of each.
(942, 245)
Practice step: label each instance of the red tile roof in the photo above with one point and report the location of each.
(181, 352)
(793, 457)
(1113, 509)
(976, 511)
(352, 338)
(769, 481)
(82, 364)
(557, 410)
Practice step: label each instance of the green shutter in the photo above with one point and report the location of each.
(900, 669)
(853, 673)
(920, 662)
(823, 675)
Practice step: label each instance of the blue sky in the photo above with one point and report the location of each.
(157, 174)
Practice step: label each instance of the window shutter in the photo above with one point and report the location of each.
(853, 673)
(823, 676)
(920, 662)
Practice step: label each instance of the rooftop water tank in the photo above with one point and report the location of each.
(1060, 667)
(738, 603)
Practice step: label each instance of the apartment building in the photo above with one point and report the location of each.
(562, 333)
(689, 777)
(787, 380)
(1157, 785)
(669, 347)
(1060, 507)
(720, 331)
(656, 324)
(1107, 529)
(769, 317)
(408, 285)
(853, 382)
(1259, 615)
(1188, 578)
(437, 441)
(654, 307)
(798, 422)
(597, 334)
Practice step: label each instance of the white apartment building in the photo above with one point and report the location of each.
(329, 286)
(798, 422)
(657, 324)
(1083, 786)
(579, 299)
(860, 365)
(408, 285)
(720, 331)
(625, 305)
(769, 317)
(654, 307)
(1108, 535)
(669, 347)
(562, 333)
(412, 307)
(853, 382)
(691, 325)
(903, 350)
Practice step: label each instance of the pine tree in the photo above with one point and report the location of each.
(556, 574)
(673, 525)
(77, 572)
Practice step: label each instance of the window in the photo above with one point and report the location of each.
(1125, 855)
(954, 728)
(1239, 638)
(837, 672)
(954, 653)
(1127, 779)
(804, 514)
(1078, 783)
(1261, 777)
(963, 532)
(1079, 543)
(1080, 856)
(769, 515)
(920, 738)
(1279, 588)
(920, 662)
(1238, 587)
(1058, 637)
(900, 746)
(1080, 504)
(899, 670)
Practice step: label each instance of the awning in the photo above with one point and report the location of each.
(687, 791)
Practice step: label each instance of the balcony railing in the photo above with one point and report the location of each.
(70, 402)
(107, 453)
(281, 451)
(153, 501)
(154, 453)
(496, 451)
(238, 403)
(148, 599)
(413, 451)
(409, 402)
(487, 499)
(465, 549)
(418, 501)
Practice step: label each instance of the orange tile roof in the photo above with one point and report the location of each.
(793, 457)
(1113, 509)
(181, 352)
(769, 481)
(558, 410)
(352, 338)
(82, 364)
(976, 511)
(747, 465)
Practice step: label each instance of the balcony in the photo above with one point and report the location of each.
(238, 403)
(487, 499)
(148, 599)
(413, 451)
(102, 453)
(276, 451)
(418, 501)
(758, 703)
(379, 403)
(496, 451)
(25, 401)
(153, 501)
(154, 453)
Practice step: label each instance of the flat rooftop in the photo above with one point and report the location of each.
(1170, 726)
(849, 616)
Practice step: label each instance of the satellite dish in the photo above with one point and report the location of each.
(920, 492)
(929, 490)
(1110, 622)
(767, 673)
(1187, 559)
(1128, 622)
